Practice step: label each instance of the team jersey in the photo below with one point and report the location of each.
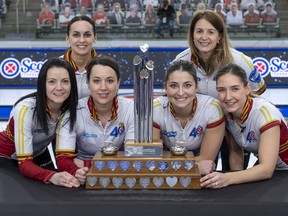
(207, 114)
(207, 84)
(25, 139)
(89, 136)
(258, 116)
(81, 77)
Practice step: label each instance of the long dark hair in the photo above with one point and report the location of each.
(105, 61)
(81, 18)
(181, 65)
(69, 104)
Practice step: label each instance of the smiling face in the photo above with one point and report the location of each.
(103, 85)
(206, 37)
(58, 86)
(181, 90)
(232, 93)
(81, 37)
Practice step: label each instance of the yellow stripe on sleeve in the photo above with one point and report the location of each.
(250, 64)
(58, 131)
(265, 112)
(156, 104)
(21, 136)
(218, 106)
(283, 147)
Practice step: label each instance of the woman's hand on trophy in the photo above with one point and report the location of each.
(80, 175)
(206, 166)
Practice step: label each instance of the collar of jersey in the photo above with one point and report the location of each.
(67, 57)
(93, 110)
(194, 106)
(246, 110)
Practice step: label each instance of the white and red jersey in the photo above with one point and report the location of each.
(207, 114)
(81, 78)
(25, 139)
(89, 136)
(258, 116)
(207, 84)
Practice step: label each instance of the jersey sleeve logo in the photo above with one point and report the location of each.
(255, 76)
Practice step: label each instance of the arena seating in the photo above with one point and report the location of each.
(144, 30)
(4, 5)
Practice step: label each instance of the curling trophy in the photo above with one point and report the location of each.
(143, 143)
(143, 164)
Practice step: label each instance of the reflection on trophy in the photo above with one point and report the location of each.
(143, 95)
(143, 144)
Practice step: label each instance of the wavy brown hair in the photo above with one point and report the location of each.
(221, 55)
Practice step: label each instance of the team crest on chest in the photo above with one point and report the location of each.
(251, 136)
(196, 131)
(121, 128)
(118, 130)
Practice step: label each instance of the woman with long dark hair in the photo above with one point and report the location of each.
(33, 122)
(81, 36)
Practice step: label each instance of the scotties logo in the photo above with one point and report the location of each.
(27, 68)
(262, 66)
(10, 68)
(170, 133)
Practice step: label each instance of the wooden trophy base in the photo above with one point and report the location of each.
(122, 172)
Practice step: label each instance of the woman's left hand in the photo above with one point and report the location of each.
(64, 179)
(214, 180)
